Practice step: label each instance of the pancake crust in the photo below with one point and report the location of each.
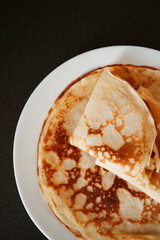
(92, 202)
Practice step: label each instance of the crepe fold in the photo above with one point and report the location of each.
(120, 127)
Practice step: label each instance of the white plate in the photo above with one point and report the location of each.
(34, 113)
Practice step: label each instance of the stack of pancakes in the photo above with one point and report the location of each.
(99, 142)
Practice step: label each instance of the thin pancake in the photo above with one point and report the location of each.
(146, 81)
(153, 101)
(93, 203)
(138, 76)
(118, 129)
(151, 98)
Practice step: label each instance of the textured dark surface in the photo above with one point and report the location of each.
(36, 37)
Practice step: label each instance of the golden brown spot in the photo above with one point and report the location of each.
(155, 179)
(47, 136)
(94, 131)
(49, 171)
(54, 203)
(61, 145)
(76, 233)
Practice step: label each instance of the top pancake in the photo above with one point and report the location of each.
(113, 126)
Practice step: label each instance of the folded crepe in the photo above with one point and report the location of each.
(117, 128)
(152, 99)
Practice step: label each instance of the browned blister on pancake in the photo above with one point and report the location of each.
(92, 202)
